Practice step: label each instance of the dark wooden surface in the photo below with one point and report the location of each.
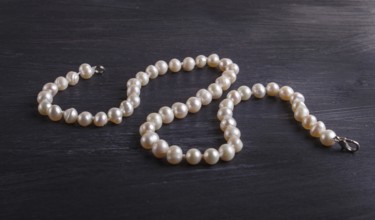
(324, 49)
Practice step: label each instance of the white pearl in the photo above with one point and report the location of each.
(86, 71)
(62, 83)
(194, 104)
(115, 115)
(100, 119)
(134, 99)
(45, 95)
(297, 104)
(300, 113)
(231, 75)
(174, 155)
(162, 67)
(297, 97)
(233, 67)
(215, 90)
(148, 139)
(225, 122)
(235, 96)
(231, 131)
(213, 60)
(72, 77)
(133, 90)
(272, 89)
(43, 107)
(258, 90)
(180, 110)
(188, 64)
(309, 121)
(286, 93)
(143, 77)
(51, 87)
(224, 113)
(160, 148)
(201, 61)
(152, 71)
(84, 119)
(236, 143)
(156, 119)
(211, 156)
(70, 115)
(193, 156)
(205, 96)
(327, 138)
(224, 82)
(166, 114)
(317, 129)
(134, 82)
(224, 63)
(226, 152)
(145, 127)
(126, 108)
(55, 113)
(227, 103)
(245, 92)
(174, 65)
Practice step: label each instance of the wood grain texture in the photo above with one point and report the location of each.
(324, 49)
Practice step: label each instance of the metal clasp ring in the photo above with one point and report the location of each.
(347, 144)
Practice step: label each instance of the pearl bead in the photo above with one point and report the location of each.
(225, 122)
(193, 156)
(72, 77)
(174, 155)
(213, 60)
(286, 93)
(152, 71)
(215, 90)
(300, 113)
(166, 114)
(160, 148)
(143, 77)
(317, 129)
(224, 82)
(148, 139)
(86, 71)
(156, 119)
(201, 61)
(100, 119)
(227, 103)
(145, 127)
(297, 97)
(233, 67)
(245, 92)
(70, 115)
(309, 121)
(226, 152)
(235, 96)
(224, 63)
(327, 138)
(133, 90)
(272, 89)
(188, 64)
(194, 104)
(180, 110)
(55, 113)
(224, 113)
(126, 108)
(134, 100)
(162, 67)
(175, 65)
(62, 83)
(231, 131)
(43, 107)
(115, 115)
(211, 156)
(231, 75)
(296, 105)
(45, 96)
(205, 96)
(134, 82)
(236, 143)
(51, 87)
(258, 90)
(84, 119)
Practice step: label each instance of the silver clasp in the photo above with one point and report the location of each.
(347, 144)
(99, 69)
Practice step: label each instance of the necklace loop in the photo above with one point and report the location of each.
(347, 144)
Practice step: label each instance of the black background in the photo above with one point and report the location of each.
(323, 49)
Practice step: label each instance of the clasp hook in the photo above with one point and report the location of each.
(99, 69)
(347, 144)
